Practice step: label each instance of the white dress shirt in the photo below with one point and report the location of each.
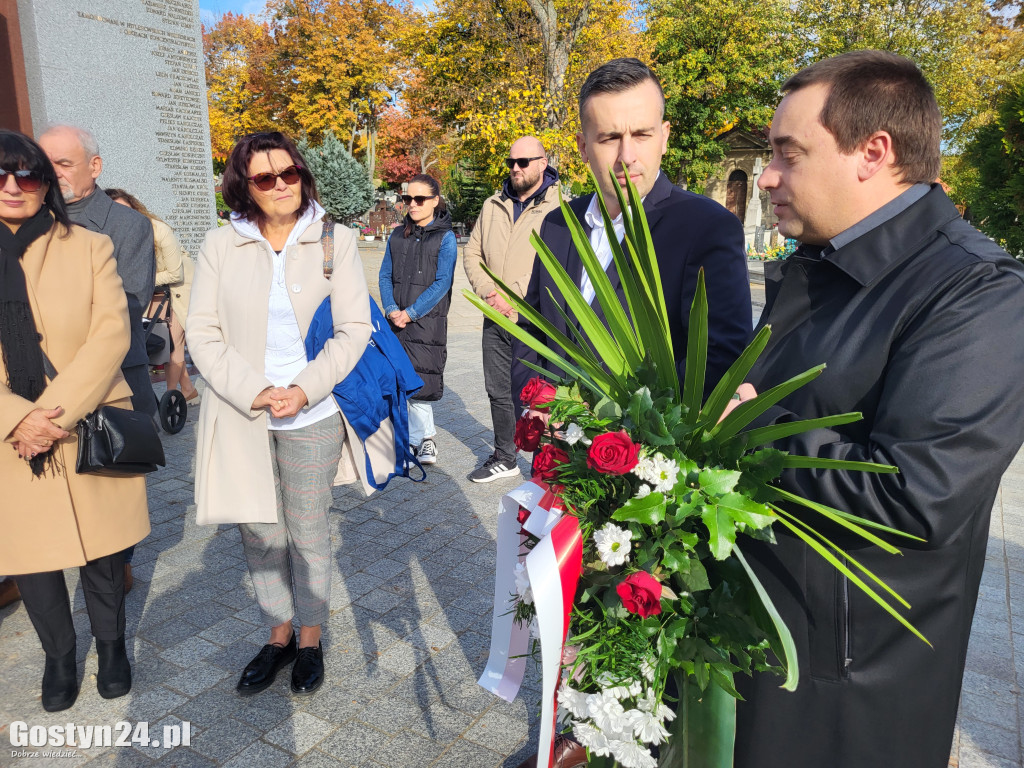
(599, 242)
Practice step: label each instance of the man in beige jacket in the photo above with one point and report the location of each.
(501, 240)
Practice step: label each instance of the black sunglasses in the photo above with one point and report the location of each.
(419, 199)
(522, 162)
(267, 181)
(27, 181)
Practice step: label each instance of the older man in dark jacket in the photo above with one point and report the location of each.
(75, 156)
(918, 317)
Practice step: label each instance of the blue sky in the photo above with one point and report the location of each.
(211, 10)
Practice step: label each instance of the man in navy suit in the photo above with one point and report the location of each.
(622, 119)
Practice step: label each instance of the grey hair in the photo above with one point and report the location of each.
(85, 138)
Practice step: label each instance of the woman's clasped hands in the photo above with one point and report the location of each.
(37, 433)
(283, 402)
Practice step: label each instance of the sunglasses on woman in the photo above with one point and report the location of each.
(418, 199)
(267, 181)
(27, 181)
(522, 162)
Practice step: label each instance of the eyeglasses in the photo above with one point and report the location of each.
(522, 162)
(27, 181)
(418, 199)
(267, 181)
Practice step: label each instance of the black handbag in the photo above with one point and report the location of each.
(117, 442)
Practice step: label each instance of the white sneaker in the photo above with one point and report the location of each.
(427, 452)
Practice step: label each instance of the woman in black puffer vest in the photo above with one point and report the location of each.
(416, 291)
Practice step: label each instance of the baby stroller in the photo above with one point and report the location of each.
(172, 408)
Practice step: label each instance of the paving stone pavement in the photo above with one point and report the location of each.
(410, 624)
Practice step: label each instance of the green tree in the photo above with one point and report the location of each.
(721, 63)
(966, 48)
(997, 153)
(465, 193)
(345, 189)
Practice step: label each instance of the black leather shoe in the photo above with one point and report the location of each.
(60, 682)
(308, 672)
(114, 676)
(259, 673)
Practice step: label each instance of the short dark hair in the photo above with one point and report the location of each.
(872, 91)
(235, 184)
(616, 76)
(435, 187)
(20, 153)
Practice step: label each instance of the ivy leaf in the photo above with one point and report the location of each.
(677, 559)
(721, 530)
(764, 466)
(607, 408)
(745, 510)
(649, 510)
(718, 482)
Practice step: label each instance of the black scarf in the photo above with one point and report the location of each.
(19, 338)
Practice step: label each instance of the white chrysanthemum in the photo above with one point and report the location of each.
(665, 473)
(611, 686)
(643, 491)
(574, 701)
(665, 714)
(591, 738)
(647, 727)
(647, 669)
(574, 434)
(523, 588)
(629, 754)
(646, 468)
(607, 713)
(613, 544)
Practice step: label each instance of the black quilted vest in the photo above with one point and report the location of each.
(413, 269)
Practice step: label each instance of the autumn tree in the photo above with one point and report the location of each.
(966, 49)
(240, 87)
(409, 144)
(499, 69)
(720, 63)
(340, 66)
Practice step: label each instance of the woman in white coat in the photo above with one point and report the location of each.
(270, 436)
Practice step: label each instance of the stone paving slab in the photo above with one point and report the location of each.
(410, 619)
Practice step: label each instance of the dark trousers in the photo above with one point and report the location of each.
(45, 596)
(143, 397)
(497, 353)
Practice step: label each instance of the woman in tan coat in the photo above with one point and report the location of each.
(270, 436)
(62, 301)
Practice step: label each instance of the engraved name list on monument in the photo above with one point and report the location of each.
(165, 47)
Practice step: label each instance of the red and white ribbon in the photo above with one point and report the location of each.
(553, 568)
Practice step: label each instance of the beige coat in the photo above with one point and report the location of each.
(174, 267)
(503, 245)
(227, 335)
(55, 522)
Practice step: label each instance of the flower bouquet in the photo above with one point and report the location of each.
(630, 538)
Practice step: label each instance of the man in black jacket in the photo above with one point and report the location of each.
(622, 119)
(918, 317)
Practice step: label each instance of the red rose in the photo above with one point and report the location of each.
(547, 460)
(537, 393)
(613, 453)
(523, 516)
(641, 594)
(528, 433)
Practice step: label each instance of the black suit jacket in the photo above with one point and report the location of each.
(919, 323)
(689, 232)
